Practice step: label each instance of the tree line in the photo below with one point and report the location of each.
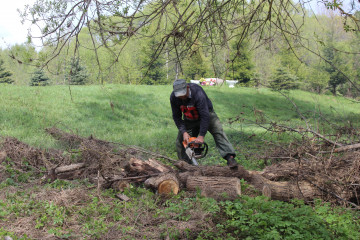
(323, 55)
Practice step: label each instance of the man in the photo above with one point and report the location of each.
(194, 115)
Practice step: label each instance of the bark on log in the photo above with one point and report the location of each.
(219, 171)
(69, 168)
(165, 184)
(346, 148)
(283, 191)
(149, 167)
(215, 186)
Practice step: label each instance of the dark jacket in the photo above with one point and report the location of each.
(198, 100)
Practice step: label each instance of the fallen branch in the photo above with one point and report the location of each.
(346, 148)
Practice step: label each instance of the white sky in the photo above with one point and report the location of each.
(11, 29)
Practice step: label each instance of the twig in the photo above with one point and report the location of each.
(335, 195)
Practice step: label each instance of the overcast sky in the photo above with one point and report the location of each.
(11, 29)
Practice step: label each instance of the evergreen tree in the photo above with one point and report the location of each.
(194, 66)
(39, 78)
(336, 78)
(153, 66)
(4, 74)
(76, 73)
(240, 66)
(283, 80)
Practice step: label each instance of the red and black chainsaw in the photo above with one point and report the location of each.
(195, 150)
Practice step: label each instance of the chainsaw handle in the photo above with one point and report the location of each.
(205, 149)
(201, 145)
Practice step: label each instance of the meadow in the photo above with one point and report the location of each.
(141, 115)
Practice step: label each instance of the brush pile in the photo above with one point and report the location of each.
(311, 170)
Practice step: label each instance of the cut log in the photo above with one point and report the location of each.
(285, 190)
(219, 171)
(69, 168)
(215, 186)
(165, 184)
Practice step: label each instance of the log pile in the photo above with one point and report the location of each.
(109, 166)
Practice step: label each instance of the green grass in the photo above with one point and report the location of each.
(141, 115)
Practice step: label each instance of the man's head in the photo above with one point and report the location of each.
(180, 88)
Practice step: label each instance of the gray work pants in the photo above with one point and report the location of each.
(215, 128)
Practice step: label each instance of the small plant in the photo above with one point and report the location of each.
(260, 218)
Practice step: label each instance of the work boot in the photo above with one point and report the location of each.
(231, 162)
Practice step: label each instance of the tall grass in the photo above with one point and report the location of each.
(141, 115)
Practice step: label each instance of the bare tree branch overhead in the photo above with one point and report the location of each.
(175, 25)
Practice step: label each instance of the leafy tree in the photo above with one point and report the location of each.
(288, 60)
(240, 65)
(39, 78)
(4, 74)
(283, 80)
(76, 73)
(317, 79)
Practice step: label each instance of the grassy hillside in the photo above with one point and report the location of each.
(141, 115)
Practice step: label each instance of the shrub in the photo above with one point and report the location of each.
(283, 80)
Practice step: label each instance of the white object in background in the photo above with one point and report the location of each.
(195, 81)
(231, 83)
